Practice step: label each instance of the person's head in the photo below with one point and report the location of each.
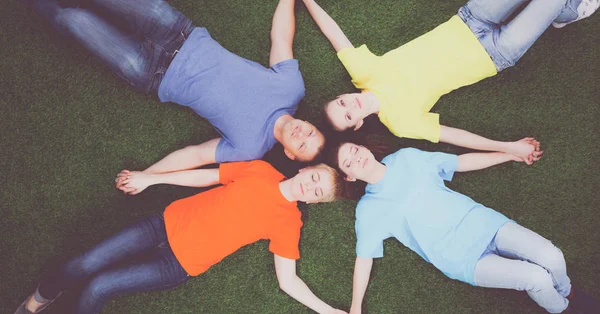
(354, 162)
(317, 184)
(347, 111)
(301, 140)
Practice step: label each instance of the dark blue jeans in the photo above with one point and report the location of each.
(137, 259)
(136, 38)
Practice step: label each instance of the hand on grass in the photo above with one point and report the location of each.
(132, 182)
(526, 150)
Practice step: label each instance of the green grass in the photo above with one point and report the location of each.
(68, 126)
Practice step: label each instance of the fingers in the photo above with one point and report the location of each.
(127, 189)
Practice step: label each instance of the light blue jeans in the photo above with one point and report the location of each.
(507, 40)
(521, 259)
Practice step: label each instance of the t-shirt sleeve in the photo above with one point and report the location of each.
(420, 126)
(369, 243)
(289, 66)
(359, 64)
(226, 152)
(445, 164)
(290, 79)
(285, 240)
(232, 171)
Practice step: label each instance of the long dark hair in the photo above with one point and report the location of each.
(356, 189)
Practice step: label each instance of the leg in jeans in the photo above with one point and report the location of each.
(135, 239)
(161, 272)
(524, 260)
(133, 60)
(154, 20)
(506, 43)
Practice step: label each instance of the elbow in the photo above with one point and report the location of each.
(286, 284)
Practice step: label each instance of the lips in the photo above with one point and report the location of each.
(295, 131)
(365, 162)
(359, 104)
(301, 189)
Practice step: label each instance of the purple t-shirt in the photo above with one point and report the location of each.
(240, 98)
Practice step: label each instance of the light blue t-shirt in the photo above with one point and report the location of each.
(412, 204)
(239, 97)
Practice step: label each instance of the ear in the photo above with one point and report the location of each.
(289, 154)
(350, 179)
(359, 124)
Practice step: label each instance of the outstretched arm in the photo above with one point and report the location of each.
(478, 161)
(282, 32)
(193, 156)
(362, 272)
(328, 26)
(527, 149)
(296, 288)
(134, 182)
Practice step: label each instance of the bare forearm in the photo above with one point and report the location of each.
(298, 290)
(191, 178)
(187, 158)
(328, 26)
(467, 139)
(478, 161)
(284, 22)
(362, 272)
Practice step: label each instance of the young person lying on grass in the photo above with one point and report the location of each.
(404, 84)
(405, 198)
(160, 52)
(254, 202)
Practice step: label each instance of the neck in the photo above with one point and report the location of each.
(372, 101)
(377, 174)
(278, 128)
(285, 187)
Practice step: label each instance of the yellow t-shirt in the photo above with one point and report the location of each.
(410, 79)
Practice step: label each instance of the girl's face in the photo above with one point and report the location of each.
(346, 112)
(313, 185)
(356, 161)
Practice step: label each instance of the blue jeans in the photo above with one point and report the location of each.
(137, 259)
(521, 259)
(136, 38)
(506, 41)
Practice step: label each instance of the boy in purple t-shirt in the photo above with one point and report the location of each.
(160, 51)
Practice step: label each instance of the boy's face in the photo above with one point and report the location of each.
(301, 140)
(312, 185)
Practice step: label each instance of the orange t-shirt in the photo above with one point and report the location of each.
(205, 228)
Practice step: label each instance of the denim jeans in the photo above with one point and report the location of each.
(136, 38)
(521, 259)
(137, 259)
(506, 41)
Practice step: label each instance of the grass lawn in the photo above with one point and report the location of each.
(69, 125)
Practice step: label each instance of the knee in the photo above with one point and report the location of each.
(97, 289)
(538, 279)
(72, 18)
(553, 259)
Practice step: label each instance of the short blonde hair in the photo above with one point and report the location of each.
(337, 183)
